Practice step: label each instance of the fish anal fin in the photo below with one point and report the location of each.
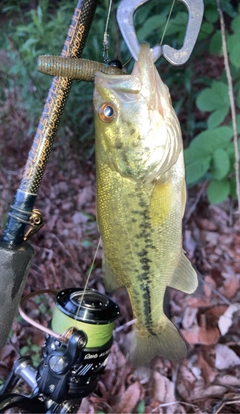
(184, 277)
(110, 279)
(165, 341)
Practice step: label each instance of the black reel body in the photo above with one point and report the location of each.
(93, 315)
(70, 367)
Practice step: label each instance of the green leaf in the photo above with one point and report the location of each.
(220, 164)
(238, 123)
(213, 98)
(152, 23)
(24, 350)
(233, 47)
(27, 45)
(141, 407)
(207, 100)
(211, 14)
(208, 141)
(235, 25)
(231, 154)
(206, 30)
(238, 99)
(218, 191)
(215, 45)
(178, 24)
(233, 188)
(234, 55)
(217, 117)
(39, 14)
(86, 243)
(35, 348)
(196, 167)
(228, 8)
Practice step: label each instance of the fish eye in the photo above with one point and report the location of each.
(107, 112)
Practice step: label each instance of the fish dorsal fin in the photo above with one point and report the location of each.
(185, 277)
(110, 279)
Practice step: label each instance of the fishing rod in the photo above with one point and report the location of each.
(23, 220)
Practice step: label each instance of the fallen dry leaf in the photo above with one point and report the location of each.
(225, 357)
(198, 302)
(225, 320)
(163, 388)
(227, 380)
(230, 286)
(206, 365)
(189, 317)
(128, 400)
(86, 407)
(84, 196)
(208, 284)
(199, 335)
(214, 391)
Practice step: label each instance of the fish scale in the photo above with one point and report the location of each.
(141, 197)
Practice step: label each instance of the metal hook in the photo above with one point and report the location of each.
(176, 57)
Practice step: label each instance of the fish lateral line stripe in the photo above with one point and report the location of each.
(147, 307)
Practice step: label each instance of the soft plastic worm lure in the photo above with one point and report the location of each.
(81, 69)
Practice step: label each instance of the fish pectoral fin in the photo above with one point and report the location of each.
(185, 277)
(110, 279)
(165, 340)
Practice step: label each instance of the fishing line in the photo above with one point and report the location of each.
(167, 22)
(129, 60)
(88, 277)
(106, 35)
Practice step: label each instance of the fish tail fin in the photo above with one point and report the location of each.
(165, 341)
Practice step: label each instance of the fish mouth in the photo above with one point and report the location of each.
(154, 91)
(144, 80)
(142, 76)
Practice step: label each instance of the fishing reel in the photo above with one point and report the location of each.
(74, 353)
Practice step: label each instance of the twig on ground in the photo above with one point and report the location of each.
(193, 207)
(225, 300)
(219, 409)
(174, 403)
(120, 328)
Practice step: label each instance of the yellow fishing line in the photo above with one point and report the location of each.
(167, 22)
(88, 277)
(98, 335)
(129, 60)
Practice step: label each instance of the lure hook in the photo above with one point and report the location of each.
(176, 57)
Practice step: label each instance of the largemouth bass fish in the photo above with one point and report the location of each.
(141, 197)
